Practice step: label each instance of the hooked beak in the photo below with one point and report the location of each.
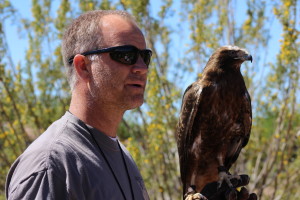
(244, 57)
(248, 57)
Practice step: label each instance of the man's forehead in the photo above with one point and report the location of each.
(110, 23)
(118, 30)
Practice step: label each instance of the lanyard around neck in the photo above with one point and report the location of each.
(110, 167)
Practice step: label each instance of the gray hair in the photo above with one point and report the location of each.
(84, 34)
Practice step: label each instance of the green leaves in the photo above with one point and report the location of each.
(182, 35)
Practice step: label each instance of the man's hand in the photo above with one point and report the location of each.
(193, 195)
(212, 192)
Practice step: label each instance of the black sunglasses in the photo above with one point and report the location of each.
(126, 54)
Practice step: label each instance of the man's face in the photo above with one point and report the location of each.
(115, 84)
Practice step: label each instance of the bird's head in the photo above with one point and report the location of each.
(231, 56)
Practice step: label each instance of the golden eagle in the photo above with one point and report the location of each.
(215, 120)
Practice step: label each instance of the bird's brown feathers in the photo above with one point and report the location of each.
(215, 118)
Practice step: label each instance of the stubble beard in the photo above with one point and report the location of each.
(104, 92)
(100, 97)
(106, 89)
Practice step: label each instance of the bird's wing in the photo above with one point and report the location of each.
(189, 108)
(247, 118)
(240, 142)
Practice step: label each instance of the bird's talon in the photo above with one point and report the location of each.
(229, 183)
(226, 176)
(219, 185)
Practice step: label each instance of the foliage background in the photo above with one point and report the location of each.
(182, 34)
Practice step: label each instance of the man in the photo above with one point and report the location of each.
(79, 156)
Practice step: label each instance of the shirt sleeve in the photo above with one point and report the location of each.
(40, 185)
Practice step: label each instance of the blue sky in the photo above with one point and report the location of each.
(18, 43)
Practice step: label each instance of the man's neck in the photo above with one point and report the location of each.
(103, 118)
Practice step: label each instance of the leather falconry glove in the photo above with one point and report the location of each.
(212, 192)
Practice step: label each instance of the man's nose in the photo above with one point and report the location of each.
(140, 67)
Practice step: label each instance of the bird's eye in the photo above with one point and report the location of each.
(231, 53)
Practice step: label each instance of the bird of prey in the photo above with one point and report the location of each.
(215, 120)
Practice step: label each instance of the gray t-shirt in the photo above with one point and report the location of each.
(66, 163)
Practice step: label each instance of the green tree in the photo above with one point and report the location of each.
(276, 164)
(34, 92)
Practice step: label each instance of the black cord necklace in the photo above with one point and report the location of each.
(110, 167)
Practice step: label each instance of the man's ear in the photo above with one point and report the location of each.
(81, 65)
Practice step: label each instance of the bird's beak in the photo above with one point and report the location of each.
(243, 56)
(248, 57)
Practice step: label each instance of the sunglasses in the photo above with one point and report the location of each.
(126, 54)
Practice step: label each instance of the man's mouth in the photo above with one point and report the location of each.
(136, 85)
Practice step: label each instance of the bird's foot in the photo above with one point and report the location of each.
(224, 175)
(193, 195)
